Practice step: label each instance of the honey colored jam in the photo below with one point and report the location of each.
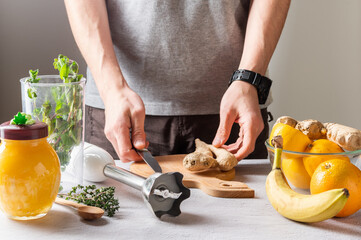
(29, 171)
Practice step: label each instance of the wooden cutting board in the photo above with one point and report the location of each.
(213, 181)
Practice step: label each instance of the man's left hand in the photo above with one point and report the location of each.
(239, 105)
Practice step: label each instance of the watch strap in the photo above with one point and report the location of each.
(262, 83)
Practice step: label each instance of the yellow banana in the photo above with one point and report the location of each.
(301, 207)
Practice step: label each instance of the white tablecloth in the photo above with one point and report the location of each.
(203, 217)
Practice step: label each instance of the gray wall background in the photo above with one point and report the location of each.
(316, 67)
(33, 33)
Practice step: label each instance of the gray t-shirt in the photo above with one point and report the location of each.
(178, 55)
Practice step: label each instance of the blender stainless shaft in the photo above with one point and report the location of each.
(122, 175)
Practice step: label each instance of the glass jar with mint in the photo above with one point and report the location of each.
(58, 101)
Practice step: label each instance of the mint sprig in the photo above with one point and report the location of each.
(32, 79)
(68, 69)
(61, 108)
(33, 76)
(22, 119)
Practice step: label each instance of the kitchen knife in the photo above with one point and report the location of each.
(149, 159)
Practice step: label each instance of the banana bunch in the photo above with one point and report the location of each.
(296, 206)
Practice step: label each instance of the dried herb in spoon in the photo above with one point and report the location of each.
(92, 196)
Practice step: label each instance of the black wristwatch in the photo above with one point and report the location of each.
(262, 83)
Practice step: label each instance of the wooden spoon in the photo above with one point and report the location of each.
(84, 211)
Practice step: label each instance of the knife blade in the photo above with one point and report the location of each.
(149, 159)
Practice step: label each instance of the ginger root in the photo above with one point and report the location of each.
(200, 159)
(203, 158)
(312, 128)
(346, 137)
(287, 120)
(225, 159)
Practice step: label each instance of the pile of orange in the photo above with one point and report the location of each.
(318, 173)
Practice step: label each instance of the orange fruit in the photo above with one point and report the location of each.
(321, 146)
(295, 172)
(338, 173)
(293, 139)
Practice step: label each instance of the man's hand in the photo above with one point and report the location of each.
(124, 111)
(239, 104)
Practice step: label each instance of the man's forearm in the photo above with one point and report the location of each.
(265, 23)
(90, 27)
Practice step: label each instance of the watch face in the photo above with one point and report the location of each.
(263, 90)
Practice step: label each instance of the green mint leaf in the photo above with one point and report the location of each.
(68, 69)
(46, 108)
(64, 71)
(63, 66)
(74, 67)
(22, 119)
(33, 76)
(32, 79)
(19, 119)
(79, 77)
(29, 119)
(32, 93)
(36, 112)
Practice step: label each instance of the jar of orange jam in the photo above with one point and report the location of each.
(29, 171)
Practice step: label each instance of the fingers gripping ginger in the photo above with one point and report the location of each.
(346, 137)
(203, 158)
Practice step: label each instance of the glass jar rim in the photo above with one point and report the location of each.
(356, 152)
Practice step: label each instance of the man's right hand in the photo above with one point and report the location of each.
(125, 112)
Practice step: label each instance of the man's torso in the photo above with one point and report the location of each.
(178, 55)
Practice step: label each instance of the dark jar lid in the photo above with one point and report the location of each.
(23, 132)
